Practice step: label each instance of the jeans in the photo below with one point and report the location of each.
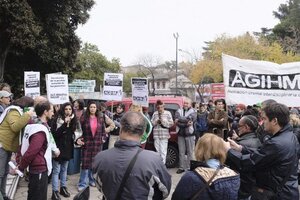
(38, 186)
(86, 177)
(4, 168)
(59, 170)
(186, 145)
(161, 146)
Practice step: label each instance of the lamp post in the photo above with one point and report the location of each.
(176, 35)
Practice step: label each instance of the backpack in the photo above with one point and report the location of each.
(201, 122)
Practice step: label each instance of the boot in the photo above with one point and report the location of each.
(64, 192)
(55, 195)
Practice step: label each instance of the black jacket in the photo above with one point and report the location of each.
(249, 140)
(272, 162)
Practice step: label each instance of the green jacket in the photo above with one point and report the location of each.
(10, 129)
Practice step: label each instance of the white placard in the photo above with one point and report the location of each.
(139, 91)
(113, 86)
(250, 82)
(32, 84)
(57, 88)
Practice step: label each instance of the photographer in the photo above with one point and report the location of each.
(184, 119)
(162, 121)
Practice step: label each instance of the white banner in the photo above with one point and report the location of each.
(113, 86)
(57, 88)
(251, 82)
(80, 85)
(32, 84)
(139, 91)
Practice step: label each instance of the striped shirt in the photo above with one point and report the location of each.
(161, 131)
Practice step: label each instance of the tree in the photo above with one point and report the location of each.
(39, 35)
(94, 64)
(149, 62)
(287, 32)
(127, 81)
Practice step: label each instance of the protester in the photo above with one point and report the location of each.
(208, 178)
(201, 125)
(5, 98)
(261, 133)
(246, 137)
(36, 152)
(108, 122)
(217, 119)
(78, 105)
(114, 135)
(63, 128)
(93, 137)
(12, 121)
(275, 162)
(210, 106)
(162, 120)
(238, 114)
(138, 108)
(148, 178)
(184, 119)
(5, 87)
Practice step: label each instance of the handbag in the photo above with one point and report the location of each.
(195, 196)
(83, 194)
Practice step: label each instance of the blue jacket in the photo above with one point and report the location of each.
(224, 186)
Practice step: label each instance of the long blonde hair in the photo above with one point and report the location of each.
(210, 146)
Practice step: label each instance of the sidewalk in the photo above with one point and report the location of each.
(21, 193)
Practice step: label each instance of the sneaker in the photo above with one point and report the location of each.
(93, 184)
(64, 192)
(179, 171)
(55, 195)
(80, 189)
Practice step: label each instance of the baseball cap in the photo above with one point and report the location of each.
(4, 93)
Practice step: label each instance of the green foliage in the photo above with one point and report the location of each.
(287, 32)
(94, 64)
(39, 35)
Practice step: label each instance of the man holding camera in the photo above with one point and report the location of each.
(162, 121)
(184, 119)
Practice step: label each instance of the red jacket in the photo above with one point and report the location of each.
(34, 156)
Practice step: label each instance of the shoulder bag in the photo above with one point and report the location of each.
(125, 177)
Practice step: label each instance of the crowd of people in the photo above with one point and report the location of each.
(225, 152)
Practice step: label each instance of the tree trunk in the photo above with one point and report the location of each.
(3, 56)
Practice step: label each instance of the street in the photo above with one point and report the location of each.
(21, 193)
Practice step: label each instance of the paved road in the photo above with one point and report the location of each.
(21, 193)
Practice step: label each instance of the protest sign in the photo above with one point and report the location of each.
(139, 91)
(113, 86)
(57, 88)
(32, 84)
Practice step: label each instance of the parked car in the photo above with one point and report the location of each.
(172, 104)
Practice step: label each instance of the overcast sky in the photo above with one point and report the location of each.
(130, 29)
